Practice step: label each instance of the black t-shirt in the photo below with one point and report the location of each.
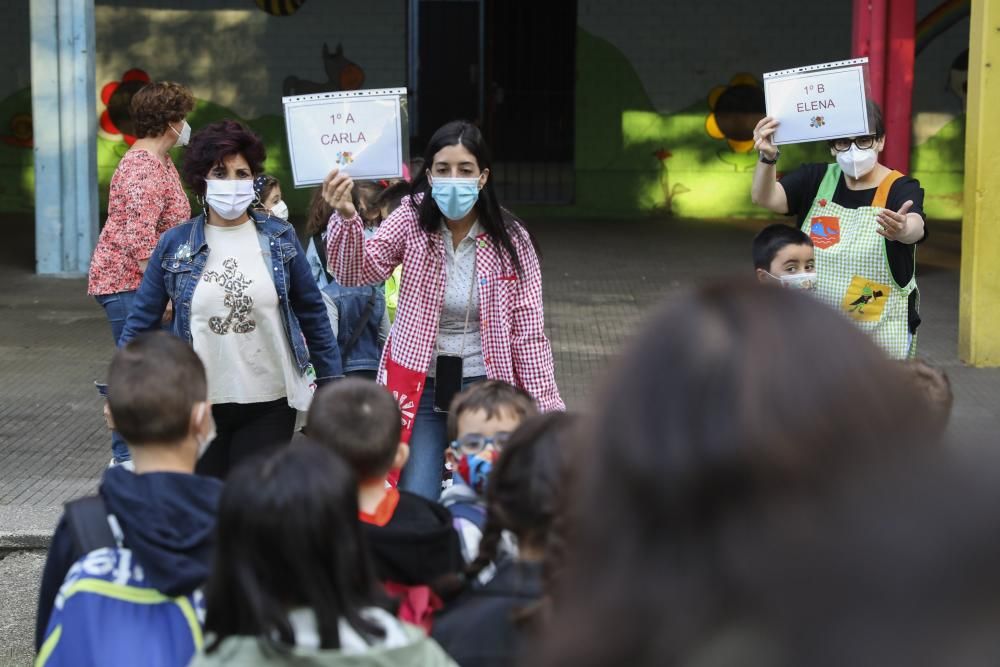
(802, 185)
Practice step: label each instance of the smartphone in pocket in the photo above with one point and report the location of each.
(447, 381)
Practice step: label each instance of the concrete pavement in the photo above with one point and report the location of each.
(602, 277)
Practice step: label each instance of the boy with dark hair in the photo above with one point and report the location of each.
(146, 539)
(411, 538)
(480, 420)
(784, 255)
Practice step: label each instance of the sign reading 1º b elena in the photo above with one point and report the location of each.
(818, 102)
(359, 131)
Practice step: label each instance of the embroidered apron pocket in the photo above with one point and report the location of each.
(865, 300)
(824, 230)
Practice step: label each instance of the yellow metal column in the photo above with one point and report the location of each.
(979, 304)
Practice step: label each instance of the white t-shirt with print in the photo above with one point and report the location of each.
(236, 326)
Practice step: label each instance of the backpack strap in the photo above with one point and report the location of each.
(320, 247)
(87, 519)
(471, 513)
(360, 329)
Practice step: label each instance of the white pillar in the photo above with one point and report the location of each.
(64, 115)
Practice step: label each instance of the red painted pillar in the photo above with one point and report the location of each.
(884, 30)
(899, 86)
(868, 39)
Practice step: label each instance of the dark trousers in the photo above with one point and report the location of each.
(245, 431)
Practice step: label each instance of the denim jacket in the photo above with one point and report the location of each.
(175, 268)
(349, 305)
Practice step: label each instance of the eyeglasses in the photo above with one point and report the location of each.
(844, 145)
(473, 443)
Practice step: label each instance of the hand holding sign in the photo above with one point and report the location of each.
(763, 137)
(337, 189)
(892, 224)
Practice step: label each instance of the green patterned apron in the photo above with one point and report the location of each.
(852, 267)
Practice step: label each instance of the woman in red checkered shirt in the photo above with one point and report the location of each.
(470, 303)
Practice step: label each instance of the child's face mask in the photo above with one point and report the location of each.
(474, 471)
(475, 455)
(802, 281)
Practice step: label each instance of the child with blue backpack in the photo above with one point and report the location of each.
(121, 584)
(358, 315)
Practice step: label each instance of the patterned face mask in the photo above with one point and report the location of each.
(802, 281)
(474, 471)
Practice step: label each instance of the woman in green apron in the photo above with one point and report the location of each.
(864, 220)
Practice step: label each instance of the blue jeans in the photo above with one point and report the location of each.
(116, 308)
(422, 474)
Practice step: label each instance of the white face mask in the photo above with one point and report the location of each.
(280, 210)
(802, 281)
(229, 198)
(184, 136)
(857, 162)
(205, 440)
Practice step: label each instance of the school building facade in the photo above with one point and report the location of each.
(593, 107)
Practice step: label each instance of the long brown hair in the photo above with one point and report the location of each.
(731, 394)
(364, 195)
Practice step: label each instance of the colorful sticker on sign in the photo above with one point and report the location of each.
(824, 230)
(865, 299)
(817, 121)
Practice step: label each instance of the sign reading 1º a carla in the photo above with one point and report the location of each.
(360, 132)
(818, 102)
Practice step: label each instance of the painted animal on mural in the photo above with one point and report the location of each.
(342, 74)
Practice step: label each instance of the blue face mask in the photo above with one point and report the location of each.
(455, 196)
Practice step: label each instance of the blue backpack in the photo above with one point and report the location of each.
(106, 614)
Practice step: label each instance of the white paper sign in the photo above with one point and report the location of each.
(818, 102)
(359, 131)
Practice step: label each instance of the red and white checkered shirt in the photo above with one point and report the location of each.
(515, 348)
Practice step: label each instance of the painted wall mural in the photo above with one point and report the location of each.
(115, 122)
(280, 7)
(698, 161)
(341, 73)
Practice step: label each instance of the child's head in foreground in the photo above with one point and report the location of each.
(158, 394)
(359, 420)
(288, 539)
(480, 421)
(784, 255)
(935, 388)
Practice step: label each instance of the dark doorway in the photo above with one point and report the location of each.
(530, 79)
(448, 79)
(510, 67)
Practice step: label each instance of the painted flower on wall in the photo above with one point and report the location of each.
(116, 123)
(736, 108)
(20, 131)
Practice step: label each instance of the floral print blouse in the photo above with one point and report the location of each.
(146, 199)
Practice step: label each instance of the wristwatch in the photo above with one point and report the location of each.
(767, 161)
